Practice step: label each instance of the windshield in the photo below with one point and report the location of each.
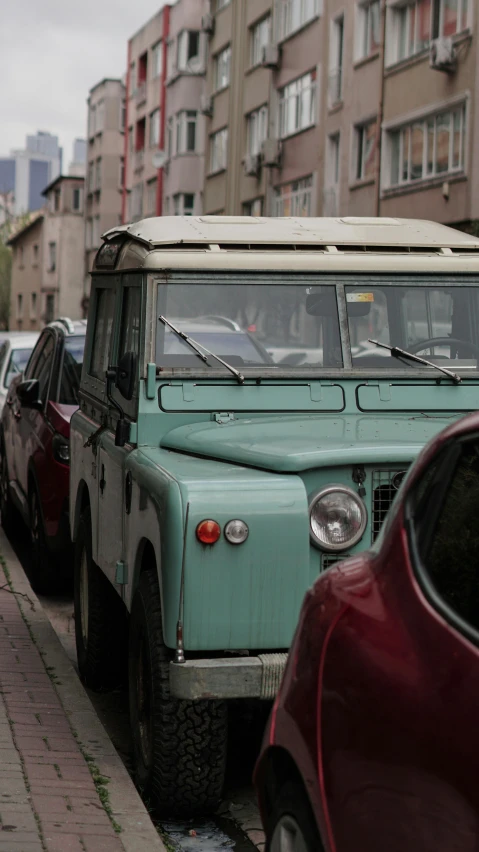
(249, 324)
(16, 364)
(436, 322)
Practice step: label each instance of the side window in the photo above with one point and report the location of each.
(130, 321)
(450, 551)
(71, 370)
(44, 366)
(104, 310)
(3, 352)
(30, 370)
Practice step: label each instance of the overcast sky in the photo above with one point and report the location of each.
(51, 53)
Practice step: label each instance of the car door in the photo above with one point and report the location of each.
(31, 423)
(400, 681)
(111, 499)
(13, 420)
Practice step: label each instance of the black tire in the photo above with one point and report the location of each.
(9, 514)
(44, 573)
(100, 618)
(291, 814)
(179, 746)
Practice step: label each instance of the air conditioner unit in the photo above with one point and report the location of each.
(270, 56)
(271, 152)
(208, 24)
(206, 105)
(442, 55)
(252, 163)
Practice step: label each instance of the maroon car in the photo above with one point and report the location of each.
(373, 741)
(35, 448)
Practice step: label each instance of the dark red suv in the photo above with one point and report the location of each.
(35, 447)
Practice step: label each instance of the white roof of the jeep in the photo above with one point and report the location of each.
(167, 231)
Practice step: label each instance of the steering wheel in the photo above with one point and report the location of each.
(443, 341)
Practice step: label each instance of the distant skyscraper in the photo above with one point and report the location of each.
(26, 172)
(77, 166)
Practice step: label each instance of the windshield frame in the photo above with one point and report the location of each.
(315, 277)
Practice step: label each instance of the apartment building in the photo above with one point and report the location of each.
(47, 269)
(105, 164)
(145, 119)
(185, 123)
(327, 107)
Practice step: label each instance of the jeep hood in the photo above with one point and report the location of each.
(295, 443)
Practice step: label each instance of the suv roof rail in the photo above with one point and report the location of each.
(67, 323)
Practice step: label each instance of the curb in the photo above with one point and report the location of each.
(138, 832)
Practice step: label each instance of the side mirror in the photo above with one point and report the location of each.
(124, 374)
(28, 393)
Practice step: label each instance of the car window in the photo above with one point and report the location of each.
(105, 305)
(71, 370)
(44, 366)
(3, 353)
(30, 370)
(16, 364)
(450, 552)
(130, 321)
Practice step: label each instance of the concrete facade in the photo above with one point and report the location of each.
(48, 257)
(104, 176)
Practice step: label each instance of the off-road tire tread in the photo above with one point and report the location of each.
(190, 738)
(99, 663)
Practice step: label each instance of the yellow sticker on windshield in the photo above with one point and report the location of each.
(360, 297)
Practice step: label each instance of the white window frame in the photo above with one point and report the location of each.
(333, 159)
(364, 28)
(297, 105)
(219, 150)
(184, 120)
(222, 68)
(401, 132)
(180, 208)
(254, 207)
(183, 59)
(336, 60)
(260, 36)
(157, 60)
(295, 193)
(77, 192)
(33, 306)
(438, 13)
(257, 129)
(360, 153)
(292, 15)
(154, 129)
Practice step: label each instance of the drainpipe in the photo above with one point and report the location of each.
(165, 34)
(380, 107)
(125, 147)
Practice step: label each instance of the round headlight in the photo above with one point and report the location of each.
(236, 532)
(337, 518)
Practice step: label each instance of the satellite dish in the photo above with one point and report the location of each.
(159, 159)
(195, 65)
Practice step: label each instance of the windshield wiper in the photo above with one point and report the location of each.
(199, 349)
(396, 352)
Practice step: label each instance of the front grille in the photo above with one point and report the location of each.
(385, 487)
(328, 559)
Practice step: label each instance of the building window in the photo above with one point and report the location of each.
(253, 208)
(49, 307)
(19, 306)
(98, 173)
(184, 204)
(365, 150)
(293, 14)
(77, 199)
(33, 306)
(297, 105)
(408, 30)
(222, 66)
(157, 59)
(131, 139)
(257, 129)
(89, 233)
(294, 199)
(132, 81)
(137, 202)
(92, 121)
(122, 115)
(450, 17)
(336, 61)
(367, 28)
(155, 128)
(35, 255)
(56, 200)
(333, 159)
(169, 136)
(100, 116)
(218, 150)
(151, 197)
(122, 172)
(260, 36)
(52, 257)
(142, 69)
(186, 131)
(426, 148)
(96, 231)
(188, 56)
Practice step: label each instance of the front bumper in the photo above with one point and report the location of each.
(228, 677)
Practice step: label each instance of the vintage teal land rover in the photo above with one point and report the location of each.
(252, 394)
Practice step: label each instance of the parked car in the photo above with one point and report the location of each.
(15, 350)
(35, 448)
(373, 740)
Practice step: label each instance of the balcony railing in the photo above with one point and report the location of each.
(140, 94)
(139, 160)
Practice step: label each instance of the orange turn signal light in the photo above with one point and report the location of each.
(208, 532)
